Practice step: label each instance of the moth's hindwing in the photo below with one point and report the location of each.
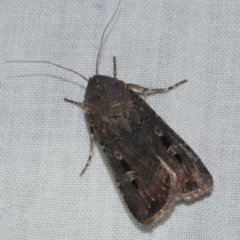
(152, 165)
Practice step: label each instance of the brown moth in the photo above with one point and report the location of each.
(153, 167)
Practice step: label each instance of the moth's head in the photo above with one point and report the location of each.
(100, 80)
(103, 87)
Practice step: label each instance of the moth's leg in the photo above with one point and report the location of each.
(90, 154)
(80, 104)
(91, 139)
(153, 90)
(114, 67)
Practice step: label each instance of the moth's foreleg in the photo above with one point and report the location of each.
(146, 91)
(80, 104)
(90, 154)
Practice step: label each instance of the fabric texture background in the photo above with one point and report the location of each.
(44, 141)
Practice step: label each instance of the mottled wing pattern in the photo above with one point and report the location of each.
(152, 165)
(193, 178)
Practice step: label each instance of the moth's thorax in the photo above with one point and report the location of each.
(103, 91)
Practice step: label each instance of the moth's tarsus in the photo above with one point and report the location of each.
(101, 42)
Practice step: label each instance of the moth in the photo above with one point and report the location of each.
(153, 167)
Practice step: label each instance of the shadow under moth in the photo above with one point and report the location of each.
(153, 167)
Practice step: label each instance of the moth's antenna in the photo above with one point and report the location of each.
(54, 64)
(69, 69)
(101, 43)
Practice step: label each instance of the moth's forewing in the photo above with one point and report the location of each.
(193, 178)
(152, 165)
